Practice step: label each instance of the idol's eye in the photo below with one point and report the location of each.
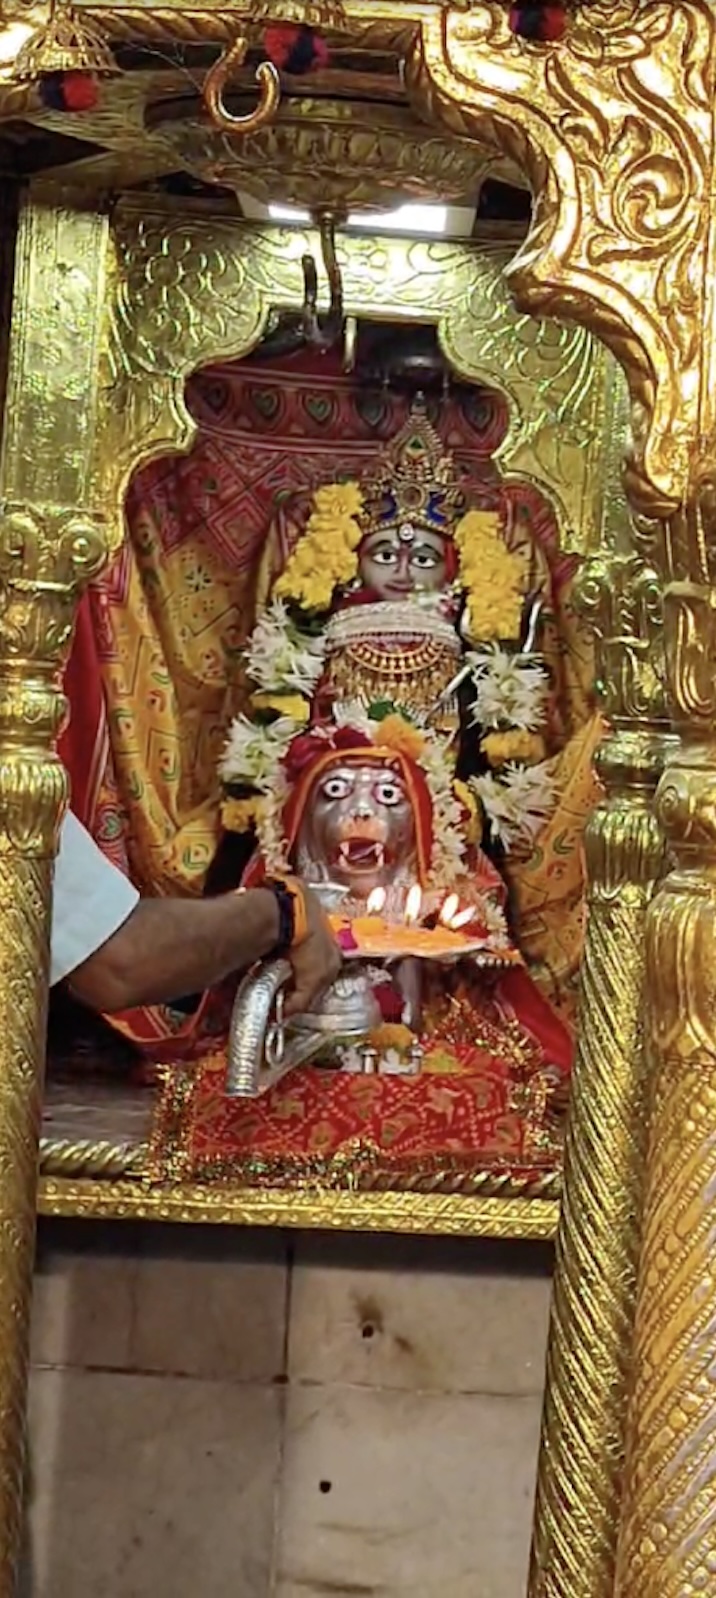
(385, 555)
(388, 793)
(335, 788)
(425, 559)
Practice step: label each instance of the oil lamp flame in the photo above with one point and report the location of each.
(413, 904)
(376, 901)
(449, 909)
(461, 919)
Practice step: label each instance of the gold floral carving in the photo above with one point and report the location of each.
(186, 291)
(622, 599)
(598, 1239)
(628, 95)
(51, 541)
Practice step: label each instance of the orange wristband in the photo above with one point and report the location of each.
(300, 914)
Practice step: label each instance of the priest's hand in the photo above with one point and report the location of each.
(316, 960)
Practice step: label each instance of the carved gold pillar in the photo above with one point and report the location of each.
(598, 1241)
(615, 130)
(667, 1546)
(50, 542)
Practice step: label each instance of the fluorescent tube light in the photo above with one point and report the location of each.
(407, 218)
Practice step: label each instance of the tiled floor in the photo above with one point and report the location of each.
(222, 1414)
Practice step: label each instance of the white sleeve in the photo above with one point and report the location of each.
(91, 900)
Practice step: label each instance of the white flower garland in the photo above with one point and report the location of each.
(449, 844)
(518, 802)
(253, 752)
(510, 690)
(279, 658)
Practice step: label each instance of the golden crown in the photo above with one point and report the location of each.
(417, 481)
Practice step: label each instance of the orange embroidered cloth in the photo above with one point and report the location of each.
(345, 1129)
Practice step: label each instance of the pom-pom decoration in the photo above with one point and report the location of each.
(69, 91)
(295, 48)
(543, 21)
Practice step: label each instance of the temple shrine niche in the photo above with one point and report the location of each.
(341, 636)
(340, 619)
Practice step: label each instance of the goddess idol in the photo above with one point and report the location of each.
(399, 747)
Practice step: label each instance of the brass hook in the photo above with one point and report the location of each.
(266, 76)
(323, 333)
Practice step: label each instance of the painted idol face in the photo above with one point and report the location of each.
(395, 562)
(358, 828)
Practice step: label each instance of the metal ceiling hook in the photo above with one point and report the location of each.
(323, 332)
(267, 77)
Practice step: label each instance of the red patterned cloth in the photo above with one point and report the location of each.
(341, 1129)
(481, 1102)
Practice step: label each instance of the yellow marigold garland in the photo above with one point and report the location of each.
(514, 744)
(391, 1035)
(325, 557)
(394, 732)
(466, 799)
(492, 575)
(238, 815)
(293, 705)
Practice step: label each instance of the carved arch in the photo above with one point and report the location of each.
(190, 290)
(614, 130)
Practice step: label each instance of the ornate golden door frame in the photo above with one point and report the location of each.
(183, 287)
(616, 132)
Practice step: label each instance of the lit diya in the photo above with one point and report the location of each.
(453, 934)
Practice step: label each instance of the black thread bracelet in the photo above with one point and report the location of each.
(286, 916)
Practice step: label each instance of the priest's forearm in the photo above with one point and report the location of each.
(170, 947)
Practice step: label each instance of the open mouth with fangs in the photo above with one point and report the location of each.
(361, 854)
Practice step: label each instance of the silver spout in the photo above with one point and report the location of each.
(261, 1048)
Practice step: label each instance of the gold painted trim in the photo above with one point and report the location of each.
(444, 1215)
(97, 1160)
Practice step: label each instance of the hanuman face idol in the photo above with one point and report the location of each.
(358, 828)
(395, 562)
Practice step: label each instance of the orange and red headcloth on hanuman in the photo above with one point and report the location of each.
(311, 754)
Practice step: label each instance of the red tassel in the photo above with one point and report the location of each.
(295, 48)
(69, 91)
(81, 91)
(279, 41)
(321, 52)
(544, 21)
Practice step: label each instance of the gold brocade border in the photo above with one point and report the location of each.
(191, 1203)
(359, 1166)
(104, 1181)
(97, 1161)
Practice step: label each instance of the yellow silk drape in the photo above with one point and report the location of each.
(171, 686)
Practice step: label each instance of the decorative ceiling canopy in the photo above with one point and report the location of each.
(320, 151)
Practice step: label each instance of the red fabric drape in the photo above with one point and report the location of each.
(84, 743)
